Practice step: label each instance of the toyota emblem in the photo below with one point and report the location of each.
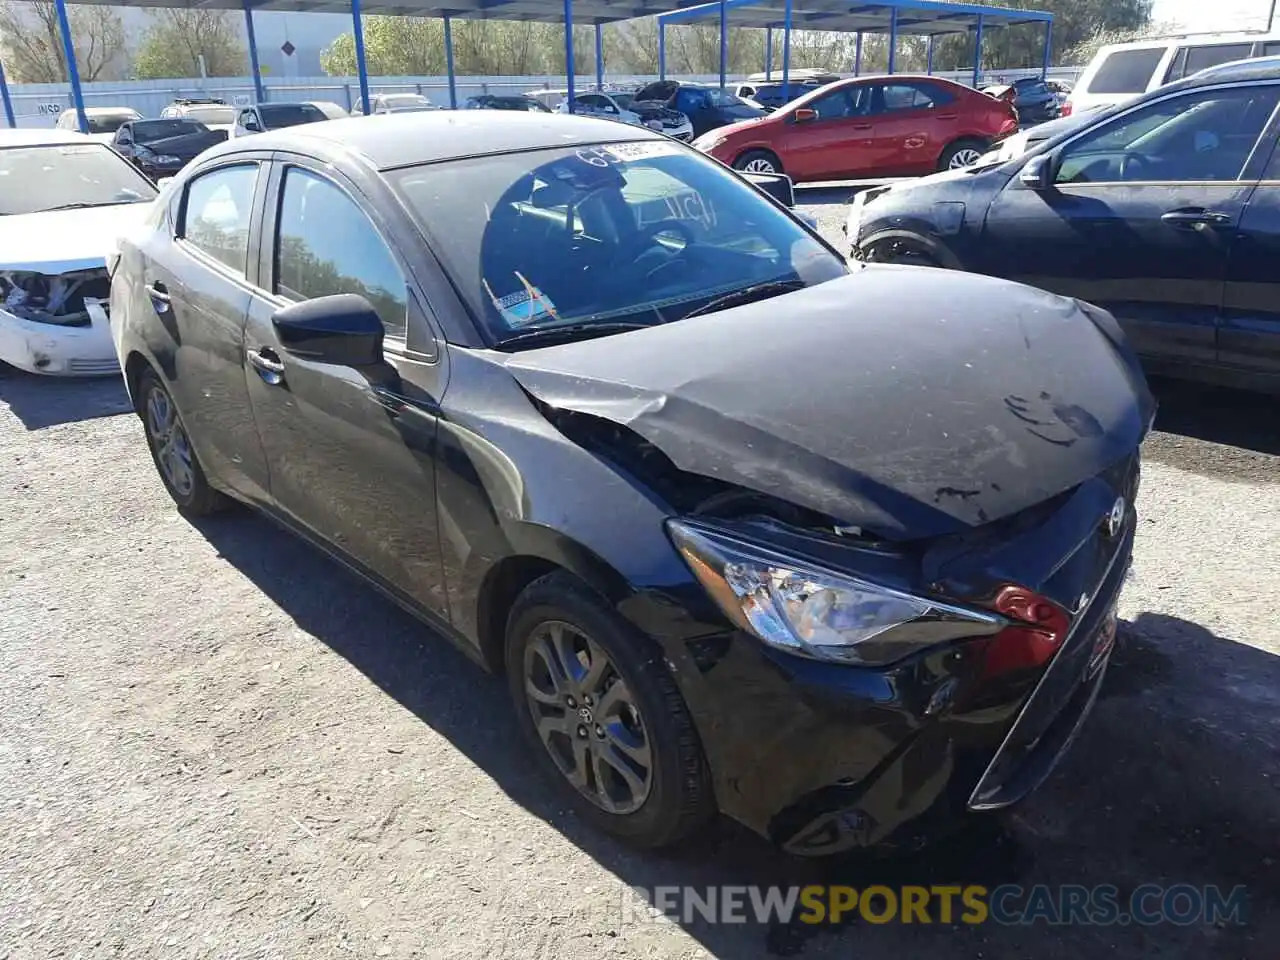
(1115, 519)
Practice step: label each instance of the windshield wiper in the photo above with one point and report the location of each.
(82, 205)
(757, 291)
(570, 331)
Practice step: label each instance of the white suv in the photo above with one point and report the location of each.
(1123, 70)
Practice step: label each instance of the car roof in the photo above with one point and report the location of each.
(41, 138)
(390, 140)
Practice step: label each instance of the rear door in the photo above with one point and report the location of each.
(912, 122)
(1189, 59)
(1142, 216)
(196, 283)
(351, 452)
(1249, 339)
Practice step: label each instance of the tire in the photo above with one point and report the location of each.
(960, 154)
(758, 161)
(171, 451)
(900, 252)
(633, 702)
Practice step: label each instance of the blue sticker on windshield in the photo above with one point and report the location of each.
(525, 306)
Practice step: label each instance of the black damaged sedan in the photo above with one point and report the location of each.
(834, 550)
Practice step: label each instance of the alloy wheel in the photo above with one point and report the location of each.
(760, 165)
(587, 718)
(965, 157)
(169, 441)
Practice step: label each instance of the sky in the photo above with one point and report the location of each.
(1213, 15)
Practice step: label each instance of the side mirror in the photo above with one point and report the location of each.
(776, 185)
(343, 329)
(1037, 173)
(804, 115)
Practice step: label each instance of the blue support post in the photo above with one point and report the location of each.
(724, 42)
(73, 71)
(568, 49)
(8, 104)
(893, 37)
(448, 62)
(357, 31)
(259, 94)
(932, 43)
(768, 53)
(1048, 48)
(857, 54)
(977, 52)
(662, 50)
(599, 57)
(786, 50)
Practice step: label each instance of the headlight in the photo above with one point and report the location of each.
(799, 607)
(708, 142)
(166, 158)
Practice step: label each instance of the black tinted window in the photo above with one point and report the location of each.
(1194, 59)
(326, 245)
(834, 106)
(1203, 136)
(217, 214)
(913, 96)
(276, 116)
(145, 131)
(1127, 71)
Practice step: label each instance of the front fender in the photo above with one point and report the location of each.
(933, 246)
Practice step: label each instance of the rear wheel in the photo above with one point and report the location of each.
(604, 716)
(962, 153)
(171, 450)
(758, 161)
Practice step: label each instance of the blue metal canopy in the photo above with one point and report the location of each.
(922, 18)
(568, 12)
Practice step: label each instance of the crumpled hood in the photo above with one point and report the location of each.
(652, 110)
(910, 402)
(63, 240)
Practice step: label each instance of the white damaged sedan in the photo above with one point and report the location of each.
(64, 199)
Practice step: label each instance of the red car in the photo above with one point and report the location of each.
(898, 125)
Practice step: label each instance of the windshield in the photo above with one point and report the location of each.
(280, 115)
(109, 123)
(639, 232)
(148, 131)
(623, 100)
(34, 179)
(216, 114)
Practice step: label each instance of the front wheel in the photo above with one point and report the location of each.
(603, 715)
(758, 161)
(171, 450)
(962, 153)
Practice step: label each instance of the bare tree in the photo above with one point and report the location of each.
(32, 42)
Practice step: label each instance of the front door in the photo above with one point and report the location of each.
(351, 452)
(1249, 338)
(197, 285)
(1141, 216)
(836, 142)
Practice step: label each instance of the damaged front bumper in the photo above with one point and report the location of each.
(55, 349)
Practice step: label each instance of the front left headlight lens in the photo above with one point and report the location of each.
(167, 158)
(799, 607)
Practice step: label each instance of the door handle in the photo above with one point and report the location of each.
(947, 116)
(268, 365)
(159, 295)
(862, 126)
(1196, 217)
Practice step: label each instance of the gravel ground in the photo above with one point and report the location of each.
(216, 743)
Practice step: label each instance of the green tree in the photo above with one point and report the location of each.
(31, 42)
(174, 43)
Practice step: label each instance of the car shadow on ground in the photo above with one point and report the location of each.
(1236, 418)
(1176, 779)
(40, 402)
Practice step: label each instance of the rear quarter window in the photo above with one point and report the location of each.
(1127, 71)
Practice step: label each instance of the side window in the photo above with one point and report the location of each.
(834, 106)
(217, 211)
(1270, 49)
(325, 245)
(1193, 59)
(905, 96)
(1203, 136)
(1127, 71)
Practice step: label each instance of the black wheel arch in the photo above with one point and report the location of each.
(931, 247)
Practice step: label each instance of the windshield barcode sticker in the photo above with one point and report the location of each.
(525, 306)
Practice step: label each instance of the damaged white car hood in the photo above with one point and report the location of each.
(58, 241)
